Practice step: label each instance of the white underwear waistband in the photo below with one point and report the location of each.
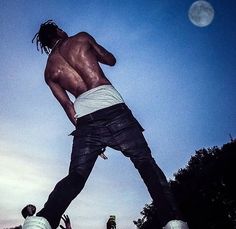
(95, 99)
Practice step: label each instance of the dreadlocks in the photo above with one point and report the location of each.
(47, 31)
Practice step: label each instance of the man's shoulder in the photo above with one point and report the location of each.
(50, 72)
(82, 35)
(47, 74)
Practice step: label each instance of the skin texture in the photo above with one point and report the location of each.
(73, 66)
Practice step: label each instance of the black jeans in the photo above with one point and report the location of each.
(115, 127)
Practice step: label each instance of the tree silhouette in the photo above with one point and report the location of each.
(204, 191)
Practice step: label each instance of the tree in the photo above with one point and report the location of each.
(204, 190)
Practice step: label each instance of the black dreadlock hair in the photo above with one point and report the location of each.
(47, 31)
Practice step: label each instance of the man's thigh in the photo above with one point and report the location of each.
(85, 151)
(128, 136)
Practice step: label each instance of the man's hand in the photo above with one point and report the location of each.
(103, 156)
(66, 220)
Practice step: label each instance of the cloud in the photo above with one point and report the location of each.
(23, 180)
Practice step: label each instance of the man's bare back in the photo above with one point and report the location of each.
(73, 66)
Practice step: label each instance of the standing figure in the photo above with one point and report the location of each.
(111, 223)
(101, 119)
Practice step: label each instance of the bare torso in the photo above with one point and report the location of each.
(73, 66)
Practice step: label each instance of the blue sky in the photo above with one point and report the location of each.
(178, 79)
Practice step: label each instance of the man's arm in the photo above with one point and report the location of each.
(63, 99)
(102, 54)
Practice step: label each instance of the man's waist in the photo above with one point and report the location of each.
(95, 99)
(103, 114)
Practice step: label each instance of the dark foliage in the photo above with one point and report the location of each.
(205, 191)
(150, 219)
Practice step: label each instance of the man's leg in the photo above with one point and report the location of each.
(60, 198)
(84, 155)
(128, 138)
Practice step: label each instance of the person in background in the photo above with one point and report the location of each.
(28, 210)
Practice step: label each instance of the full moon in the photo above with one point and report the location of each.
(201, 13)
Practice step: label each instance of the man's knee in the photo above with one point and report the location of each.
(83, 166)
(77, 177)
(79, 174)
(143, 161)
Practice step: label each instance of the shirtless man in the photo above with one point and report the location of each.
(101, 119)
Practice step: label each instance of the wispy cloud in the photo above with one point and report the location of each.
(24, 179)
